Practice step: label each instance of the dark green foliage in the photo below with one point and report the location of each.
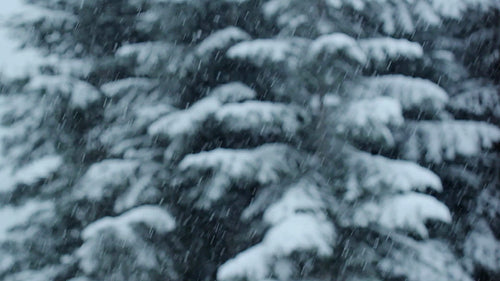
(286, 140)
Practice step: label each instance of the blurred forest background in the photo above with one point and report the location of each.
(250, 140)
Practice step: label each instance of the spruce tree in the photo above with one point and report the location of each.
(252, 140)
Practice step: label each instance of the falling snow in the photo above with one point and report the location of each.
(241, 140)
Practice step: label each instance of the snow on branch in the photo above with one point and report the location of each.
(372, 174)
(334, 46)
(414, 94)
(152, 216)
(381, 51)
(298, 233)
(79, 94)
(135, 86)
(478, 99)
(227, 112)
(436, 142)
(421, 261)
(187, 122)
(368, 120)
(116, 239)
(267, 118)
(265, 52)
(220, 41)
(148, 58)
(219, 170)
(301, 197)
(298, 224)
(102, 179)
(408, 212)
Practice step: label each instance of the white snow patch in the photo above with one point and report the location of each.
(79, 93)
(11, 216)
(302, 197)
(263, 165)
(414, 94)
(121, 230)
(39, 169)
(221, 40)
(152, 216)
(185, 122)
(373, 174)
(478, 98)
(233, 92)
(385, 49)
(381, 110)
(261, 52)
(99, 179)
(149, 56)
(119, 88)
(14, 62)
(482, 248)
(446, 140)
(336, 45)
(31, 173)
(301, 232)
(409, 211)
(422, 261)
(17, 62)
(255, 116)
(369, 119)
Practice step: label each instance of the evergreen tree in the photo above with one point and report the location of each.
(252, 140)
